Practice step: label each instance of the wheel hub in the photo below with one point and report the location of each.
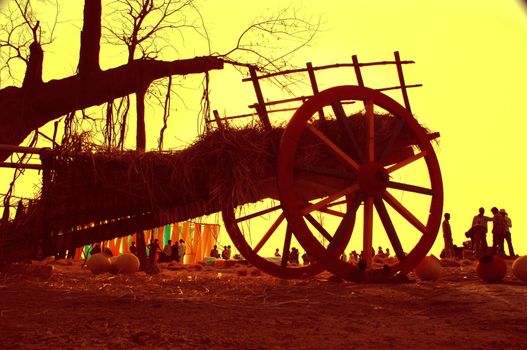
(372, 179)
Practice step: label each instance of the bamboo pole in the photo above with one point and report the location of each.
(260, 107)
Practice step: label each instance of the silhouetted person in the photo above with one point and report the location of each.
(181, 251)
(306, 258)
(387, 253)
(508, 225)
(175, 251)
(344, 257)
(499, 227)
(228, 252)
(153, 248)
(293, 256)
(277, 252)
(166, 254)
(354, 257)
(133, 249)
(479, 232)
(447, 236)
(214, 252)
(95, 249)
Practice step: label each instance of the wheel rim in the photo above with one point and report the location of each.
(251, 238)
(366, 161)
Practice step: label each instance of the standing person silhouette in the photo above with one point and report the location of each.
(479, 225)
(507, 236)
(447, 235)
(499, 227)
(181, 251)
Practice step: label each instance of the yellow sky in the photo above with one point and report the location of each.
(470, 57)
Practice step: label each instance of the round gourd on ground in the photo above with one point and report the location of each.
(99, 263)
(127, 263)
(491, 268)
(429, 269)
(519, 268)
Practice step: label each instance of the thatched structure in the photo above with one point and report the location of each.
(90, 195)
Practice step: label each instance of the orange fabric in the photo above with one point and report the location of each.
(185, 235)
(175, 233)
(117, 246)
(195, 250)
(78, 253)
(125, 244)
(160, 235)
(111, 245)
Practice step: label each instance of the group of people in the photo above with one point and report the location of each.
(225, 253)
(354, 257)
(293, 256)
(170, 252)
(501, 233)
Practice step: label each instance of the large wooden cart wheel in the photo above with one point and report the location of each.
(370, 149)
(257, 229)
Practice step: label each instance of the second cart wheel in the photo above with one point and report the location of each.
(369, 140)
(257, 229)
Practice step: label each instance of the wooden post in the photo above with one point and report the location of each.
(141, 129)
(20, 166)
(46, 235)
(217, 119)
(260, 107)
(358, 73)
(314, 86)
(401, 81)
(141, 146)
(368, 228)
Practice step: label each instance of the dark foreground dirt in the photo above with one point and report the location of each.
(193, 308)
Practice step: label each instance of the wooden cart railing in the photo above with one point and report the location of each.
(261, 106)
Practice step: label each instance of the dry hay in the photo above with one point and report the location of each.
(222, 168)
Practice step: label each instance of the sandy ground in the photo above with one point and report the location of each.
(62, 306)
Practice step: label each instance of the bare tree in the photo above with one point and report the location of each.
(145, 29)
(34, 104)
(268, 42)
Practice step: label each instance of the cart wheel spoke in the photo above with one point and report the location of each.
(269, 232)
(368, 230)
(332, 204)
(326, 209)
(333, 147)
(370, 131)
(332, 212)
(339, 174)
(345, 228)
(324, 202)
(390, 229)
(410, 188)
(396, 131)
(258, 213)
(406, 162)
(343, 122)
(319, 227)
(405, 213)
(287, 246)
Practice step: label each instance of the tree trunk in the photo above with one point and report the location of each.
(24, 110)
(90, 38)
